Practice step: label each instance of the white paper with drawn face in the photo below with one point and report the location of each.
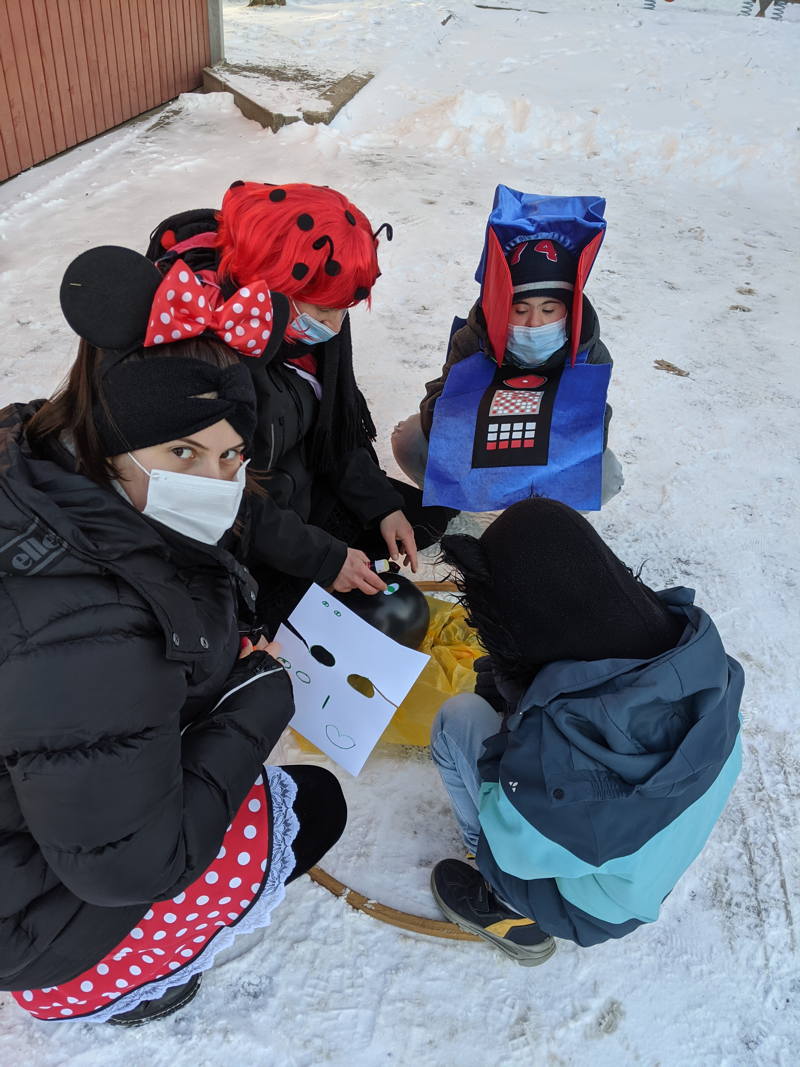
(348, 678)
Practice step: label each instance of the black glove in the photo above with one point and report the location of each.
(485, 685)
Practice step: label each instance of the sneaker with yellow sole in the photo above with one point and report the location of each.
(467, 900)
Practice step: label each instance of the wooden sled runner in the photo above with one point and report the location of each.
(402, 919)
(437, 587)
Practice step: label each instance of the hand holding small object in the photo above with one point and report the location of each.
(398, 534)
(356, 574)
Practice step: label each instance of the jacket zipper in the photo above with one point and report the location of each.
(271, 445)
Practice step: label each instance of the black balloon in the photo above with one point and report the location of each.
(401, 611)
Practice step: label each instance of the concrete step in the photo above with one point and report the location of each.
(277, 96)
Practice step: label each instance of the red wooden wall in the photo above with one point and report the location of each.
(70, 69)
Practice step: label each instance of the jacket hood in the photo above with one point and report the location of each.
(191, 235)
(66, 506)
(653, 727)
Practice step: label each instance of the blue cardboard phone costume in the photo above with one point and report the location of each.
(500, 433)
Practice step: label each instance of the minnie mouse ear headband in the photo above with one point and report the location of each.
(116, 300)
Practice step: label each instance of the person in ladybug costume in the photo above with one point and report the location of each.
(525, 411)
(328, 508)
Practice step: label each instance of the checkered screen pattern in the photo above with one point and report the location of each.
(515, 402)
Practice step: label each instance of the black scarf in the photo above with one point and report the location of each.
(344, 422)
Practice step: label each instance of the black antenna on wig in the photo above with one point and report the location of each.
(332, 266)
(384, 226)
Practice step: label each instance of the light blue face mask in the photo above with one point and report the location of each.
(314, 332)
(530, 346)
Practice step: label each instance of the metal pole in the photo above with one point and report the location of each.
(216, 34)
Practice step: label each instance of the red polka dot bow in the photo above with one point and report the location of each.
(181, 309)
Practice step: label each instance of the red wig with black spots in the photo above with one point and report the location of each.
(306, 241)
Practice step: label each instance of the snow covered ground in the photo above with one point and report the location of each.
(685, 119)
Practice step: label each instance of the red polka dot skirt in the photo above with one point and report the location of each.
(178, 938)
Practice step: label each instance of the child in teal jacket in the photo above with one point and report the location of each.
(616, 746)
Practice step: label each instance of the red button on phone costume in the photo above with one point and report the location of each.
(525, 381)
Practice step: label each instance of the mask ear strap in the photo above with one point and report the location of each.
(139, 465)
(111, 359)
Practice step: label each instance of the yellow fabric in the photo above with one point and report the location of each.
(453, 647)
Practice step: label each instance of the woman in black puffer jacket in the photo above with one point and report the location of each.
(139, 830)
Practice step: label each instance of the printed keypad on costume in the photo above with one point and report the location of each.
(519, 434)
(513, 423)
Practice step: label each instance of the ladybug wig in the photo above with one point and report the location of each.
(306, 241)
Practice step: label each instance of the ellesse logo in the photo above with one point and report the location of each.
(31, 551)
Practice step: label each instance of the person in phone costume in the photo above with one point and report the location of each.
(520, 406)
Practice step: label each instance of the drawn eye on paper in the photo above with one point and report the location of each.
(320, 654)
(361, 685)
(367, 688)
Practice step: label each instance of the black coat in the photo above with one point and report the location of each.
(288, 525)
(116, 635)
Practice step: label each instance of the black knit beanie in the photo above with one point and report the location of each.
(145, 401)
(542, 268)
(541, 586)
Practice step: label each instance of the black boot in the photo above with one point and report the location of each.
(173, 1000)
(466, 900)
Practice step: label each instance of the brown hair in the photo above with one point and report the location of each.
(69, 412)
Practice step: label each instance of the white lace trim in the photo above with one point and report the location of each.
(283, 790)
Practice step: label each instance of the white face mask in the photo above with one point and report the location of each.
(202, 508)
(533, 345)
